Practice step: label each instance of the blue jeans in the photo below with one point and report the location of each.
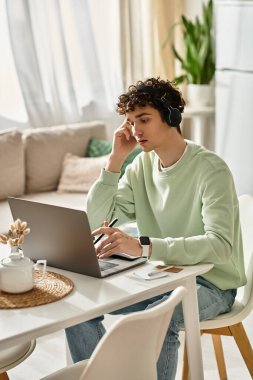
(83, 338)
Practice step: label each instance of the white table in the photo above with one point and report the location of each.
(94, 297)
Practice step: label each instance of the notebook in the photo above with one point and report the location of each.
(62, 236)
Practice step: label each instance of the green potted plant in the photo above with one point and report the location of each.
(198, 63)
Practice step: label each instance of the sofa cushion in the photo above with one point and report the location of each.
(99, 147)
(76, 201)
(79, 173)
(6, 217)
(45, 149)
(130, 159)
(12, 168)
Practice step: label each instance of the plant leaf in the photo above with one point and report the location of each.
(197, 62)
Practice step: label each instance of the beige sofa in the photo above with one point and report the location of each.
(31, 164)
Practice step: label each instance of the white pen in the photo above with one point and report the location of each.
(155, 271)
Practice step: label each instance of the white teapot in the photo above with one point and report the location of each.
(17, 273)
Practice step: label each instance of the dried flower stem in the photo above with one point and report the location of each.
(16, 235)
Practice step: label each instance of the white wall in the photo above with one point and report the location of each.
(193, 7)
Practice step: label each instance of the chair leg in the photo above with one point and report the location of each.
(4, 376)
(243, 344)
(219, 355)
(185, 372)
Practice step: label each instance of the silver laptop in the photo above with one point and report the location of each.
(62, 236)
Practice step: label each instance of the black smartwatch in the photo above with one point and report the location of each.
(145, 244)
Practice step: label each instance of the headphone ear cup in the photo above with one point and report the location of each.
(173, 117)
(167, 118)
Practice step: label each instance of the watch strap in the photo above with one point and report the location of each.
(145, 250)
(145, 243)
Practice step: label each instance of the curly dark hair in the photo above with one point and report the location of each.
(151, 92)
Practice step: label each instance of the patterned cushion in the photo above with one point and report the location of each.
(97, 147)
(130, 159)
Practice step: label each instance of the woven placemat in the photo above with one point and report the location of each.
(52, 288)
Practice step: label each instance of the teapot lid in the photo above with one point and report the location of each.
(16, 260)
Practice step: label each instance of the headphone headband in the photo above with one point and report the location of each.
(172, 115)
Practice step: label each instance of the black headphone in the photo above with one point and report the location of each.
(172, 115)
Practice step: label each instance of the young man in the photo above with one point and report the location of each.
(185, 205)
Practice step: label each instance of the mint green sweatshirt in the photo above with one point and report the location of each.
(190, 212)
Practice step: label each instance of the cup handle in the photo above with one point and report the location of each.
(44, 263)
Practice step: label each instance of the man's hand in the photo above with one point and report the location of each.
(123, 144)
(115, 242)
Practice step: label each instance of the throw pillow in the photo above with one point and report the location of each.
(79, 173)
(46, 148)
(98, 147)
(130, 159)
(12, 167)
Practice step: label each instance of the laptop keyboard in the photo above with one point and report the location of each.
(106, 265)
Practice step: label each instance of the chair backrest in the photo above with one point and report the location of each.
(246, 219)
(131, 347)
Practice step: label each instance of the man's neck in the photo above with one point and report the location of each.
(173, 151)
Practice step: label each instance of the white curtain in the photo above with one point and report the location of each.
(68, 60)
(68, 68)
(144, 29)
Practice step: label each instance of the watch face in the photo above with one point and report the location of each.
(144, 240)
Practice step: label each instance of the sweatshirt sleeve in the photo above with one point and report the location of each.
(221, 234)
(110, 197)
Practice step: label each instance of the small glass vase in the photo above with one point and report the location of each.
(16, 251)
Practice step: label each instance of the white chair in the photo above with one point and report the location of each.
(11, 357)
(230, 324)
(129, 349)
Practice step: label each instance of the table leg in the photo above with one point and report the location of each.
(192, 331)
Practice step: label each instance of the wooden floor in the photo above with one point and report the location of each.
(50, 355)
